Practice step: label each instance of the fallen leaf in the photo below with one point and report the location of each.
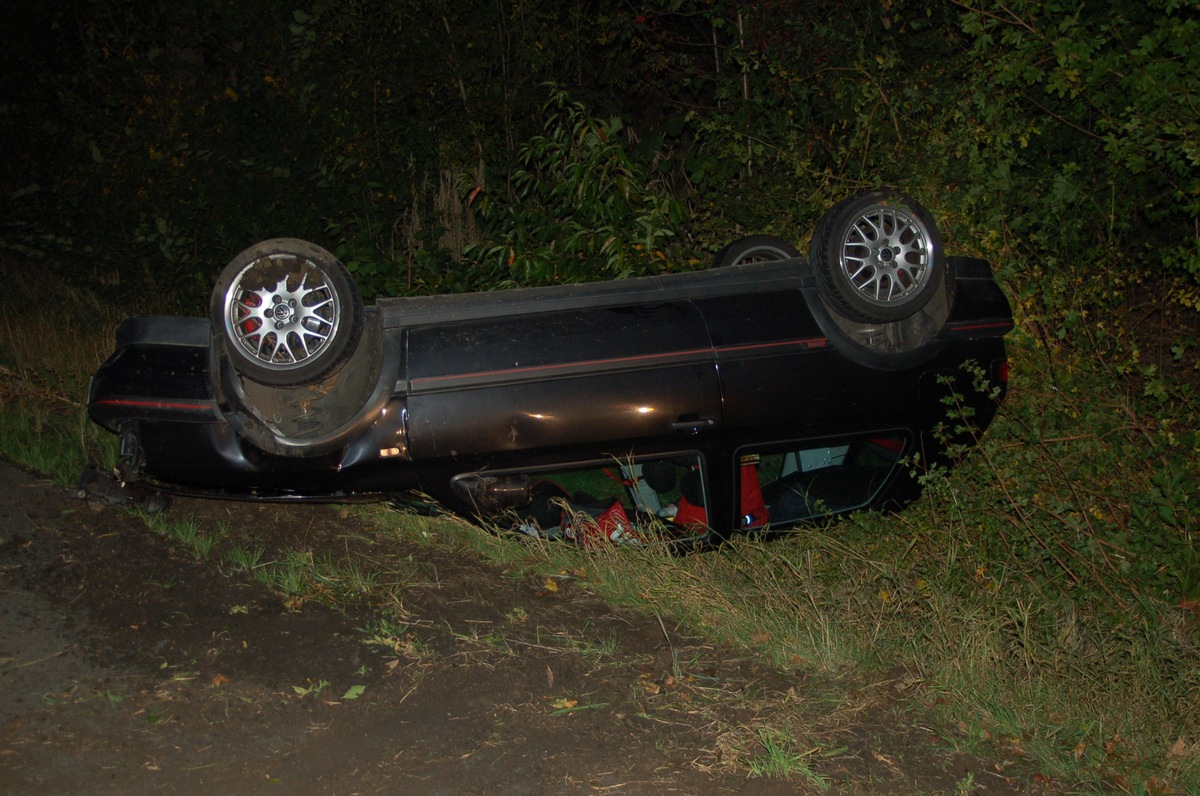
(219, 680)
(550, 585)
(564, 704)
(354, 692)
(887, 761)
(1158, 787)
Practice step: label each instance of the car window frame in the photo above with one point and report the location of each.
(907, 436)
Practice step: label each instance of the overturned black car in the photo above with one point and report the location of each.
(766, 391)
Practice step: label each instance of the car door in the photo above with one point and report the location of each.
(781, 375)
(599, 380)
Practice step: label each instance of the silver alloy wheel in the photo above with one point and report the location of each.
(282, 311)
(287, 312)
(886, 255)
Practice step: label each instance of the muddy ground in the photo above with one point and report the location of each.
(129, 666)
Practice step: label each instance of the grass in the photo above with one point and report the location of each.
(1043, 596)
(244, 559)
(46, 359)
(597, 648)
(188, 533)
(290, 573)
(780, 758)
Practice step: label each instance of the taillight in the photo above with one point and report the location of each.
(1000, 377)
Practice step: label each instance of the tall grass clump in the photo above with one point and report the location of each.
(53, 336)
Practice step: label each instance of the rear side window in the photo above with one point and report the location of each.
(618, 500)
(782, 484)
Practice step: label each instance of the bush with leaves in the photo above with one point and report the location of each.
(578, 207)
(1085, 491)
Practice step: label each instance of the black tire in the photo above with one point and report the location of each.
(755, 249)
(288, 312)
(878, 257)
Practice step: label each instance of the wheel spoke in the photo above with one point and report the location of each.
(289, 356)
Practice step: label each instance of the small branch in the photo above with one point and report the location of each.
(1013, 19)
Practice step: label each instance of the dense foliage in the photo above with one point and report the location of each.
(152, 139)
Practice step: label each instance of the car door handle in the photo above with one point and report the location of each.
(692, 424)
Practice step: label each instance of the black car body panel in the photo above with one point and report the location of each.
(712, 367)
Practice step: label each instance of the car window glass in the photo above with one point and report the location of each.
(618, 500)
(783, 484)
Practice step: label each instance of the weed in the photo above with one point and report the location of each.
(188, 533)
(165, 584)
(597, 648)
(243, 559)
(780, 758)
(312, 689)
(564, 707)
(357, 580)
(289, 574)
(348, 580)
(384, 633)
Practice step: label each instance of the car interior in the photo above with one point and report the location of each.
(780, 485)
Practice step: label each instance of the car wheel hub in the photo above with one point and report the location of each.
(885, 256)
(280, 326)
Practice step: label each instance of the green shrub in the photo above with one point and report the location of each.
(579, 208)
